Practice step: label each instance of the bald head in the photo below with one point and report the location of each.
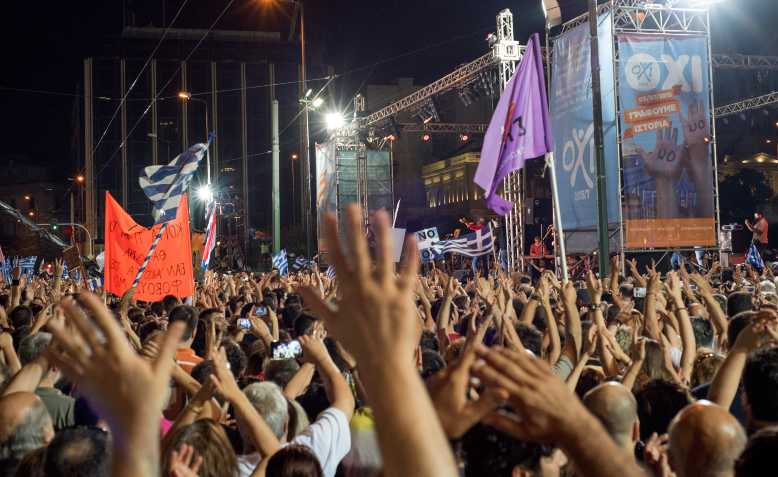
(25, 425)
(705, 441)
(615, 406)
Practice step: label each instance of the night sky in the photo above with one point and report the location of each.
(44, 44)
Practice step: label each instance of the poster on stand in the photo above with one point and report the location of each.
(667, 157)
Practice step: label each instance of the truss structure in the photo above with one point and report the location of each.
(746, 104)
(451, 80)
(745, 62)
(453, 128)
(648, 17)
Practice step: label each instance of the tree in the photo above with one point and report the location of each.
(741, 194)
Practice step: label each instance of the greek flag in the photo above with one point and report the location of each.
(164, 185)
(754, 259)
(300, 263)
(27, 265)
(331, 272)
(280, 263)
(474, 244)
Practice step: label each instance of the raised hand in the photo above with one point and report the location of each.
(184, 462)
(375, 315)
(695, 125)
(449, 390)
(124, 388)
(665, 160)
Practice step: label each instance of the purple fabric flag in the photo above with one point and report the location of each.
(519, 129)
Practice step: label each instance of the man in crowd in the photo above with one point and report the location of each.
(759, 228)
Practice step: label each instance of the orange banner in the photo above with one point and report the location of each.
(169, 271)
(657, 233)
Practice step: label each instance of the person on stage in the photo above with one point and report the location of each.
(538, 248)
(759, 229)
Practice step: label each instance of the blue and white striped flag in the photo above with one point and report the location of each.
(331, 272)
(164, 185)
(27, 265)
(300, 263)
(474, 244)
(280, 263)
(754, 259)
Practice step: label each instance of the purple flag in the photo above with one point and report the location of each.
(519, 129)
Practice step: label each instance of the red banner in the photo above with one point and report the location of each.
(169, 271)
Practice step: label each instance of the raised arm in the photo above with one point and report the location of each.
(725, 385)
(338, 390)
(685, 327)
(573, 341)
(383, 341)
(263, 438)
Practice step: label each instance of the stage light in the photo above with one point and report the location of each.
(31, 213)
(776, 124)
(426, 137)
(464, 137)
(318, 101)
(205, 193)
(294, 157)
(185, 95)
(79, 178)
(26, 197)
(768, 141)
(334, 120)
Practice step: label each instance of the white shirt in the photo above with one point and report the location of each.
(328, 438)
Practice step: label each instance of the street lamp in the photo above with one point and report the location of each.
(187, 96)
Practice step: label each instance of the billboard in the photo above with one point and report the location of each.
(573, 126)
(666, 156)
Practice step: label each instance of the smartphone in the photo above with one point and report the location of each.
(260, 310)
(288, 350)
(640, 292)
(244, 323)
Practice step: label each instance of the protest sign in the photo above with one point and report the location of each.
(126, 243)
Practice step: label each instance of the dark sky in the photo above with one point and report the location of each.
(44, 43)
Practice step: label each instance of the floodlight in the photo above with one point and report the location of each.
(334, 120)
(205, 193)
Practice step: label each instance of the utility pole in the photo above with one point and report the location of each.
(602, 199)
(276, 199)
(305, 162)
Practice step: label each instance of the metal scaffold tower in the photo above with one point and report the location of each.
(507, 52)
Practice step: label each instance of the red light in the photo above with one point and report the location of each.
(425, 137)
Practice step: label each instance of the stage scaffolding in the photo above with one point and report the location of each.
(652, 19)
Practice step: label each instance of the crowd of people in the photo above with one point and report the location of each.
(381, 370)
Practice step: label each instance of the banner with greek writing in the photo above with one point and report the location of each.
(126, 244)
(666, 155)
(573, 126)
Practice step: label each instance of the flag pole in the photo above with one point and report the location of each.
(148, 256)
(560, 234)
